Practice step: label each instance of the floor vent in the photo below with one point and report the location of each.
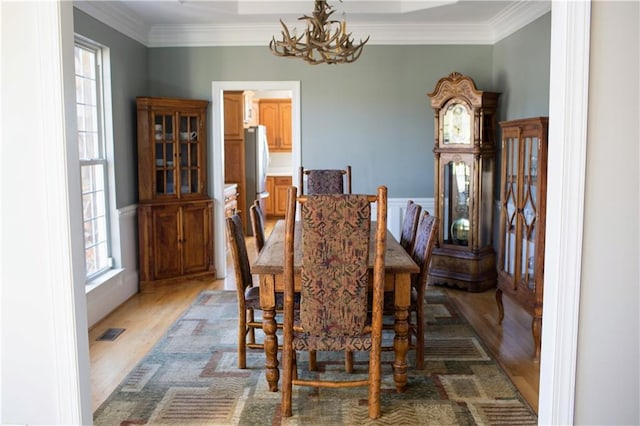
(111, 334)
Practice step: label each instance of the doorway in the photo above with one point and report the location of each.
(216, 154)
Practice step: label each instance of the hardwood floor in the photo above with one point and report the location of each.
(147, 316)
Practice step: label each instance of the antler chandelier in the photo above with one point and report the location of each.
(324, 41)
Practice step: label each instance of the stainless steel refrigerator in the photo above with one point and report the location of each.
(256, 152)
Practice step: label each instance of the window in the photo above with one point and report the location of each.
(94, 166)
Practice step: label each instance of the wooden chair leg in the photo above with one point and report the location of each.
(294, 373)
(348, 361)
(242, 341)
(420, 333)
(312, 361)
(288, 374)
(252, 333)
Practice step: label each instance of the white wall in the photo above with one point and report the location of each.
(44, 346)
(608, 375)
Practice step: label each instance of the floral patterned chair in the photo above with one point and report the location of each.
(329, 181)
(334, 287)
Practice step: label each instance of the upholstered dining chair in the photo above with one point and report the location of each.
(248, 295)
(421, 254)
(334, 287)
(410, 225)
(257, 224)
(325, 181)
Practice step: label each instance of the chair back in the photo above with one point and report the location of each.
(410, 226)
(336, 231)
(239, 253)
(335, 263)
(423, 246)
(257, 224)
(325, 181)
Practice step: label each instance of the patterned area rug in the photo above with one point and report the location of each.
(190, 378)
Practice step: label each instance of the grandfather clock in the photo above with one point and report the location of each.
(464, 165)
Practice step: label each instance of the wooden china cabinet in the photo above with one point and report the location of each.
(175, 214)
(523, 217)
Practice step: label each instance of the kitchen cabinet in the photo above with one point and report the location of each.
(175, 214)
(523, 218)
(233, 114)
(231, 199)
(275, 114)
(234, 149)
(276, 203)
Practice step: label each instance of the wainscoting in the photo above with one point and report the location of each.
(112, 289)
(396, 209)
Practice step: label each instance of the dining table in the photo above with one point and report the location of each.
(269, 267)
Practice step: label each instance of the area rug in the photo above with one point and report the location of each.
(191, 378)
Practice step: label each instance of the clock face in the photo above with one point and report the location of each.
(456, 125)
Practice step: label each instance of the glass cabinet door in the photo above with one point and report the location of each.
(529, 213)
(520, 205)
(178, 166)
(165, 172)
(189, 140)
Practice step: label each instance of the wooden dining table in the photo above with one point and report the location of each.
(269, 267)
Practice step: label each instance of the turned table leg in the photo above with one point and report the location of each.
(269, 326)
(401, 326)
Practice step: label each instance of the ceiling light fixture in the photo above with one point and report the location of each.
(324, 41)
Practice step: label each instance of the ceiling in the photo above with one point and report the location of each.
(253, 22)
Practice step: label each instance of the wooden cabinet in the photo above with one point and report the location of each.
(175, 240)
(172, 142)
(233, 115)
(276, 203)
(523, 217)
(175, 214)
(234, 149)
(275, 114)
(230, 199)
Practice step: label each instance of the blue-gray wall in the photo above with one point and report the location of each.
(128, 79)
(373, 114)
(521, 71)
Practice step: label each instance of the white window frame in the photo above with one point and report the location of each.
(105, 129)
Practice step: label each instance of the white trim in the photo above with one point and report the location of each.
(66, 268)
(216, 156)
(569, 79)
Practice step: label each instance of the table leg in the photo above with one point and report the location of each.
(402, 299)
(269, 326)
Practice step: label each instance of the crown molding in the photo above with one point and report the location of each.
(512, 18)
(117, 18)
(499, 27)
(260, 35)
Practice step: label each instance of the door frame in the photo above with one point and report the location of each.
(216, 154)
